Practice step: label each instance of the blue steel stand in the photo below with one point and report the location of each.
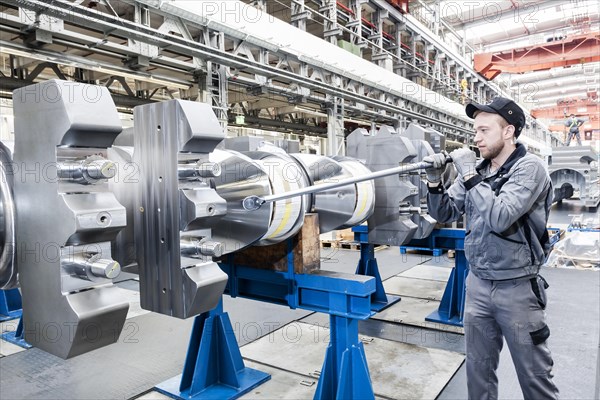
(367, 265)
(214, 368)
(16, 337)
(345, 371)
(452, 306)
(10, 304)
(214, 364)
(10, 308)
(425, 244)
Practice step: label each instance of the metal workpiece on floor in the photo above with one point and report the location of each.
(60, 219)
(575, 169)
(177, 275)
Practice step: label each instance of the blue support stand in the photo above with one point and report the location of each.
(434, 252)
(16, 337)
(345, 373)
(214, 368)
(452, 306)
(10, 304)
(367, 265)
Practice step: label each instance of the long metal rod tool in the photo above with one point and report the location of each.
(252, 203)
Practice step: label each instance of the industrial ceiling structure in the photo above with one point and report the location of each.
(546, 52)
(418, 61)
(158, 155)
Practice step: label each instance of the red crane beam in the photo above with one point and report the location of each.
(576, 49)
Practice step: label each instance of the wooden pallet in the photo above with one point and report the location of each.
(346, 244)
(329, 243)
(349, 245)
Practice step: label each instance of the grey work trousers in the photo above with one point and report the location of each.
(509, 309)
(572, 135)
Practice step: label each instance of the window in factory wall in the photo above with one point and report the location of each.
(587, 135)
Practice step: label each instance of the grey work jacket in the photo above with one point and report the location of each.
(496, 242)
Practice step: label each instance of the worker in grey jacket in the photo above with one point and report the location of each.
(506, 199)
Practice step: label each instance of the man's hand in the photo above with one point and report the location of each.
(438, 165)
(464, 160)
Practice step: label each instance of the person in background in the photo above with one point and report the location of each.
(573, 123)
(506, 199)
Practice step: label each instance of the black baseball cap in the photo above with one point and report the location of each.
(506, 108)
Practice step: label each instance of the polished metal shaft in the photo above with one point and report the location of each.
(251, 203)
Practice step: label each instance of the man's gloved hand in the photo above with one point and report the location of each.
(438, 165)
(464, 160)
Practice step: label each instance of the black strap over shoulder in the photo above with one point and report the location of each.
(497, 185)
(544, 239)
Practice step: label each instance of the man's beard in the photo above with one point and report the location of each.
(493, 151)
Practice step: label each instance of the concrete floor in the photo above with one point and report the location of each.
(155, 347)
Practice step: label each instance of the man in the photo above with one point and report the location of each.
(506, 199)
(573, 123)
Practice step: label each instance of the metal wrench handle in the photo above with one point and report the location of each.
(252, 203)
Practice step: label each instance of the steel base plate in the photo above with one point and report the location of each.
(11, 338)
(412, 287)
(10, 316)
(377, 306)
(398, 370)
(413, 311)
(436, 317)
(249, 379)
(431, 272)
